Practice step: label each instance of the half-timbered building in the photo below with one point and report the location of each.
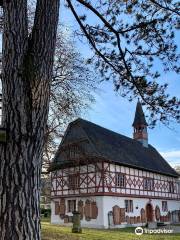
(111, 179)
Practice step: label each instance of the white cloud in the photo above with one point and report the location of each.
(172, 156)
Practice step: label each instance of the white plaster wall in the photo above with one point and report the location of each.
(109, 202)
(105, 204)
(55, 219)
(94, 223)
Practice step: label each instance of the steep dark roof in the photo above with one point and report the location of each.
(124, 150)
(139, 118)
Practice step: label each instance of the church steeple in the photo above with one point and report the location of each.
(140, 126)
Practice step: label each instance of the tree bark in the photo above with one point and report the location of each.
(26, 79)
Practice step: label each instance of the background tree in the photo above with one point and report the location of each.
(72, 88)
(124, 52)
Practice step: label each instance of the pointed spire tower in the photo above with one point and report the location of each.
(140, 126)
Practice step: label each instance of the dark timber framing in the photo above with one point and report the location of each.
(101, 181)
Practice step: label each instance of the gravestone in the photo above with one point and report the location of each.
(110, 219)
(76, 223)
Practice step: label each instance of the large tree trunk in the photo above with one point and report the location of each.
(27, 72)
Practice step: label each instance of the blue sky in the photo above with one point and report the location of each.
(117, 113)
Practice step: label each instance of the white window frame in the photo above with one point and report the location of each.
(148, 184)
(128, 205)
(164, 206)
(71, 205)
(120, 180)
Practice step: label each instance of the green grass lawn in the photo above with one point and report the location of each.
(56, 232)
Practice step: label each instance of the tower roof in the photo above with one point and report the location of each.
(139, 118)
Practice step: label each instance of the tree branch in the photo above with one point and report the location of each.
(100, 54)
(138, 83)
(166, 8)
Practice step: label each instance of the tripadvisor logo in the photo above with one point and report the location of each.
(139, 231)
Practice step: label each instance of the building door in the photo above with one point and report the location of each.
(149, 212)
